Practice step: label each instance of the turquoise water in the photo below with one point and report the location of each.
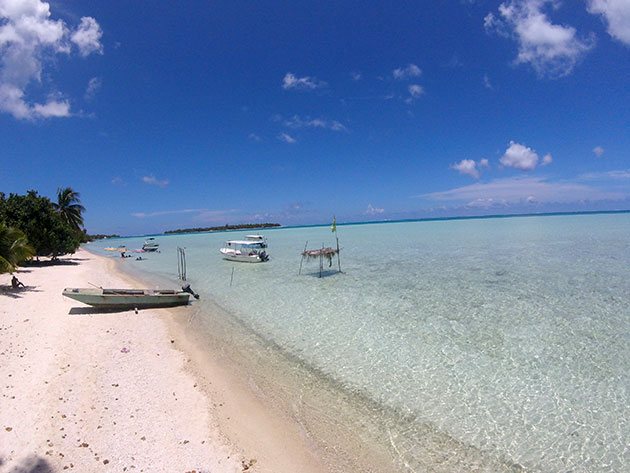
(508, 338)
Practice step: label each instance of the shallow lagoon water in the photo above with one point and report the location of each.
(508, 336)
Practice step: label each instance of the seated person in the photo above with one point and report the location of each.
(15, 283)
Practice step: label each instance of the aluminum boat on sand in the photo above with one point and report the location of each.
(128, 298)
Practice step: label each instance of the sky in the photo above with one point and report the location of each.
(167, 115)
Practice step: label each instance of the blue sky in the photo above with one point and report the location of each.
(169, 115)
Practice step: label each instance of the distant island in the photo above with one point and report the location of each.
(100, 237)
(225, 228)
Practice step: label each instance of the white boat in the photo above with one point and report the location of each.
(128, 298)
(151, 244)
(257, 238)
(245, 251)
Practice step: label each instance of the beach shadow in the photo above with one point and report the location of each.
(32, 464)
(97, 310)
(325, 273)
(57, 262)
(8, 291)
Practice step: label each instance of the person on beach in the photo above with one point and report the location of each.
(15, 283)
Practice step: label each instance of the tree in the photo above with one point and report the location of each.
(14, 248)
(69, 207)
(46, 231)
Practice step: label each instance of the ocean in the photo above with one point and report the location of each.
(495, 344)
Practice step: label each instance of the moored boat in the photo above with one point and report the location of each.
(129, 298)
(244, 251)
(151, 244)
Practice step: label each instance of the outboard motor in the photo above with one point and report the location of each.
(264, 256)
(188, 289)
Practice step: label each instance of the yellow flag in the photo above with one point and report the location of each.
(333, 227)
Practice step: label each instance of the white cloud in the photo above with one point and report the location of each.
(617, 16)
(415, 90)
(468, 167)
(486, 82)
(290, 81)
(254, 137)
(87, 37)
(299, 122)
(153, 181)
(166, 212)
(93, 85)
(552, 50)
(356, 75)
(52, 108)
(547, 159)
(286, 138)
(28, 37)
(607, 175)
(523, 189)
(373, 210)
(411, 70)
(599, 151)
(521, 157)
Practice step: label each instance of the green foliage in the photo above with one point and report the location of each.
(69, 207)
(14, 248)
(47, 231)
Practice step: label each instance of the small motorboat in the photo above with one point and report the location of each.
(151, 244)
(130, 298)
(244, 251)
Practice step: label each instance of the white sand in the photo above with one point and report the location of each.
(91, 391)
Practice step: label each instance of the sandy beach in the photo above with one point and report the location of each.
(89, 391)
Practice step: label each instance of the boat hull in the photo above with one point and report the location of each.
(241, 257)
(127, 298)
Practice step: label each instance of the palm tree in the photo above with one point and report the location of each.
(14, 248)
(69, 206)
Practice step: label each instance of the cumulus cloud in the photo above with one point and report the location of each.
(306, 122)
(254, 137)
(87, 37)
(28, 36)
(470, 167)
(521, 157)
(523, 189)
(552, 50)
(286, 138)
(616, 14)
(290, 81)
(599, 151)
(153, 181)
(373, 210)
(407, 72)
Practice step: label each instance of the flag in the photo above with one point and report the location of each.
(333, 227)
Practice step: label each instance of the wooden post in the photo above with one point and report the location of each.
(321, 261)
(338, 260)
(302, 260)
(232, 277)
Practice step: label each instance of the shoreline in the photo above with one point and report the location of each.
(90, 391)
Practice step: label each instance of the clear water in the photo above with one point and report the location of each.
(509, 336)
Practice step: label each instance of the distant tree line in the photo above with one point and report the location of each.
(32, 225)
(100, 236)
(225, 228)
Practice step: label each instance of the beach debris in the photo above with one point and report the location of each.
(247, 465)
(124, 350)
(8, 429)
